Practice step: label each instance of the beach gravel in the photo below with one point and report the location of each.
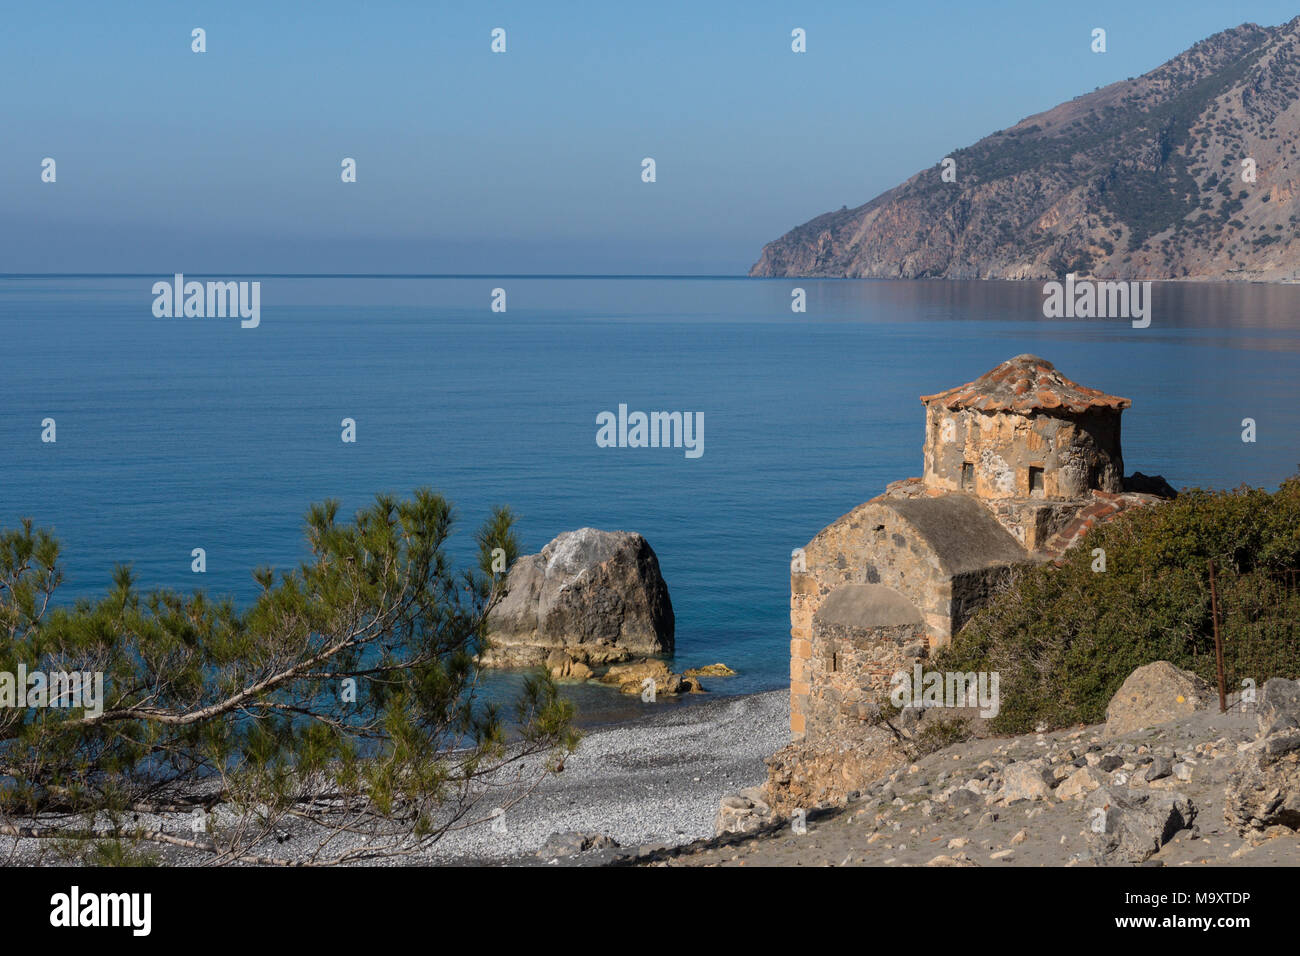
(653, 781)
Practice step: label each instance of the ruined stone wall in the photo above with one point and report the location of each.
(851, 669)
(869, 545)
(1076, 453)
(1033, 523)
(973, 589)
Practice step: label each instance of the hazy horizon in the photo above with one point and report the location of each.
(527, 161)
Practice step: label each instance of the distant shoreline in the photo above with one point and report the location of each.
(1294, 280)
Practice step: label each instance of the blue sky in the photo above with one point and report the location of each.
(228, 161)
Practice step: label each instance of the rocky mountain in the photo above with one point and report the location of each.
(1189, 171)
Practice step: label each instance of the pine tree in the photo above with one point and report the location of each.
(342, 705)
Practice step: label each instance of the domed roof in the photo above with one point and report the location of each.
(1026, 384)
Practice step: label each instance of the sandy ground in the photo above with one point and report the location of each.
(653, 786)
(904, 825)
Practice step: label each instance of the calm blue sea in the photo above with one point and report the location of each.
(183, 433)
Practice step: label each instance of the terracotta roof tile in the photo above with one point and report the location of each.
(1106, 507)
(1026, 384)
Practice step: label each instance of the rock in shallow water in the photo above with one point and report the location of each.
(709, 670)
(635, 679)
(598, 596)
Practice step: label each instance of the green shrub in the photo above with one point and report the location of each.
(345, 700)
(938, 735)
(1064, 639)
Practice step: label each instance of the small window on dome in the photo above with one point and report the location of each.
(967, 476)
(1037, 485)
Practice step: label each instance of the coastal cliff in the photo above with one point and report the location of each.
(1190, 171)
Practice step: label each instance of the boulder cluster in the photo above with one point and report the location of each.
(1135, 784)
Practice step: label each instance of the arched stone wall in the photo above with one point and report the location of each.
(872, 544)
(942, 554)
(862, 634)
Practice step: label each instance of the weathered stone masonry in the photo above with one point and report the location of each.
(1017, 465)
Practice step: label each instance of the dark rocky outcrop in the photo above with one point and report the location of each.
(1265, 792)
(1131, 826)
(596, 596)
(1141, 179)
(1278, 708)
(1149, 485)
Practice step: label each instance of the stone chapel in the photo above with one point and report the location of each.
(1017, 466)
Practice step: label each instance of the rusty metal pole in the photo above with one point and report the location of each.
(1218, 643)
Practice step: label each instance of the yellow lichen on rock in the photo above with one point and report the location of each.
(709, 670)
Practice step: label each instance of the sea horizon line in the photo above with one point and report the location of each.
(379, 275)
